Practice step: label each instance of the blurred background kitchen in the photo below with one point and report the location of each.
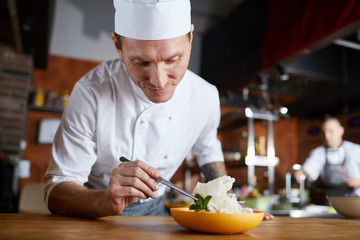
(280, 66)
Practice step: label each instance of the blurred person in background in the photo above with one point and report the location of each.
(337, 162)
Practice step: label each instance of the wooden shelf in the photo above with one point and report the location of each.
(229, 165)
(46, 109)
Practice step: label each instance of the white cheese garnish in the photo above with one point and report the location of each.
(218, 188)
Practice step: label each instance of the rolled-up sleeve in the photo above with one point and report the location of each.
(74, 148)
(314, 164)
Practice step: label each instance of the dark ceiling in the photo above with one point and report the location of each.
(248, 50)
(25, 26)
(324, 76)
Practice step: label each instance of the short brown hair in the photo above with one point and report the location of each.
(120, 38)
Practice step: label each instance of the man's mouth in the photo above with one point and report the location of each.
(157, 90)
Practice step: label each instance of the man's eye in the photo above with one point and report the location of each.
(141, 63)
(173, 60)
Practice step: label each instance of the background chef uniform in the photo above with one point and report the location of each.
(108, 116)
(335, 166)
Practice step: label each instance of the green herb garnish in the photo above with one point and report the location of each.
(201, 203)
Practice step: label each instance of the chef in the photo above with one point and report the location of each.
(145, 106)
(337, 162)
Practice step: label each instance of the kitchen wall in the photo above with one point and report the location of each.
(61, 74)
(286, 148)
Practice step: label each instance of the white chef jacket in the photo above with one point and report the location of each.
(108, 116)
(349, 151)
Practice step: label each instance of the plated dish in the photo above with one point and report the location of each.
(218, 223)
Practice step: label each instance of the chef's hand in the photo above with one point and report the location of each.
(299, 175)
(128, 182)
(353, 182)
(267, 216)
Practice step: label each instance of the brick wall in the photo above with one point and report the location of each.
(15, 80)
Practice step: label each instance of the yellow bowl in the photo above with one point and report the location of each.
(220, 223)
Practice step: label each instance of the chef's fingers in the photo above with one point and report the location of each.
(136, 174)
(122, 186)
(133, 186)
(349, 182)
(121, 191)
(152, 172)
(140, 170)
(268, 216)
(117, 197)
(353, 182)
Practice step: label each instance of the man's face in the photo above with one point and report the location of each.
(156, 66)
(333, 133)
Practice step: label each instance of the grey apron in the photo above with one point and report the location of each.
(153, 207)
(334, 177)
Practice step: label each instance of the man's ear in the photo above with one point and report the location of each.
(342, 131)
(116, 44)
(192, 33)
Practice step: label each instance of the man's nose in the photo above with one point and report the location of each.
(158, 76)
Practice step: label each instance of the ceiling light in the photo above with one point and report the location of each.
(259, 114)
(284, 77)
(283, 110)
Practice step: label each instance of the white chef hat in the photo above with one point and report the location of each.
(152, 19)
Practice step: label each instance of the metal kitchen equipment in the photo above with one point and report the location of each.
(252, 160)
(298, 199)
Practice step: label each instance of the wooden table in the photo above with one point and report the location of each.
(42, 226)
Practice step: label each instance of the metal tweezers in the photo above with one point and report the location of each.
(165, 182)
